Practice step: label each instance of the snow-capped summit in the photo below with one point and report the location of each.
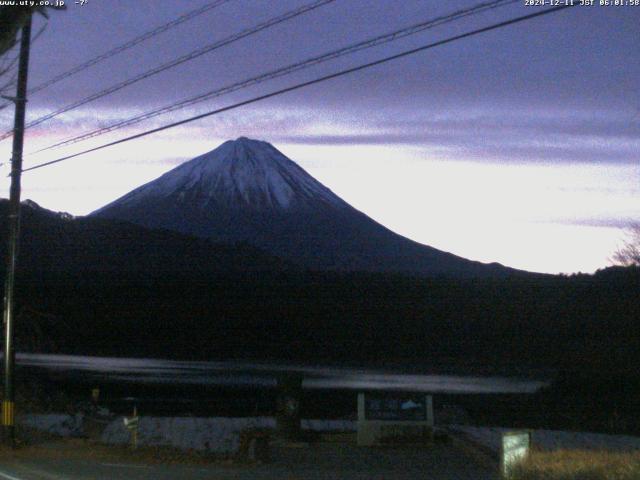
(248, 191)
(239, 174)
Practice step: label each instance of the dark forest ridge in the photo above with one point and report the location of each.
(56, 245)
(103, 287)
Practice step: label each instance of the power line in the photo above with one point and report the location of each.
(13, 80)
(7, 64)
(130, 44)
(14, 61)
(184, 58)
(309, 83)
(121, 48)
(287, 70)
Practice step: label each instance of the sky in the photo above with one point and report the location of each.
(519, 146)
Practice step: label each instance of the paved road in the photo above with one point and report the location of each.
(319, 461)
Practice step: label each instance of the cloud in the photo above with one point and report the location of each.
(602, 222)
(477, 132)
(491, 136)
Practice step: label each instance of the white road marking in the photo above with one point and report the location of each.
(32, 471)
(8, 477)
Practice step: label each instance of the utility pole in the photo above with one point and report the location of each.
(20, 100)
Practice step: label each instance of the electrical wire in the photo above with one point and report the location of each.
(309, 83)
(14, 77)
(184, 58)
(126, 46)
(287, 70)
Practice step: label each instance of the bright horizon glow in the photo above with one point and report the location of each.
(536, 217)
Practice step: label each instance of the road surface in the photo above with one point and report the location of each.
(330, 461)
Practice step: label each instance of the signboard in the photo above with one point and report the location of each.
(405, 408)
(515, 448)
(385, 418)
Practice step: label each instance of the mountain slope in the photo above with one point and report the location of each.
(246, 190)
(56, 247)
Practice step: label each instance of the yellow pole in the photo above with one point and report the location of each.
(134, 432)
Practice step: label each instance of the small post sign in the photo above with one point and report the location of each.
(515, 448)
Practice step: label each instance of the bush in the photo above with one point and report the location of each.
(579, 465)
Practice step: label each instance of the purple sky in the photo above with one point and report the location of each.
(527, 136)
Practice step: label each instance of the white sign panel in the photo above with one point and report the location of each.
(515, 448)
(385, 417)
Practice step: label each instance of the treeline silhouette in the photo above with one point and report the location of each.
(89, 286)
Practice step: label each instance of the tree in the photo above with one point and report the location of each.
(629, 253)
(12, 18)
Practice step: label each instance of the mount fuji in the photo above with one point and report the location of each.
(248, 191)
